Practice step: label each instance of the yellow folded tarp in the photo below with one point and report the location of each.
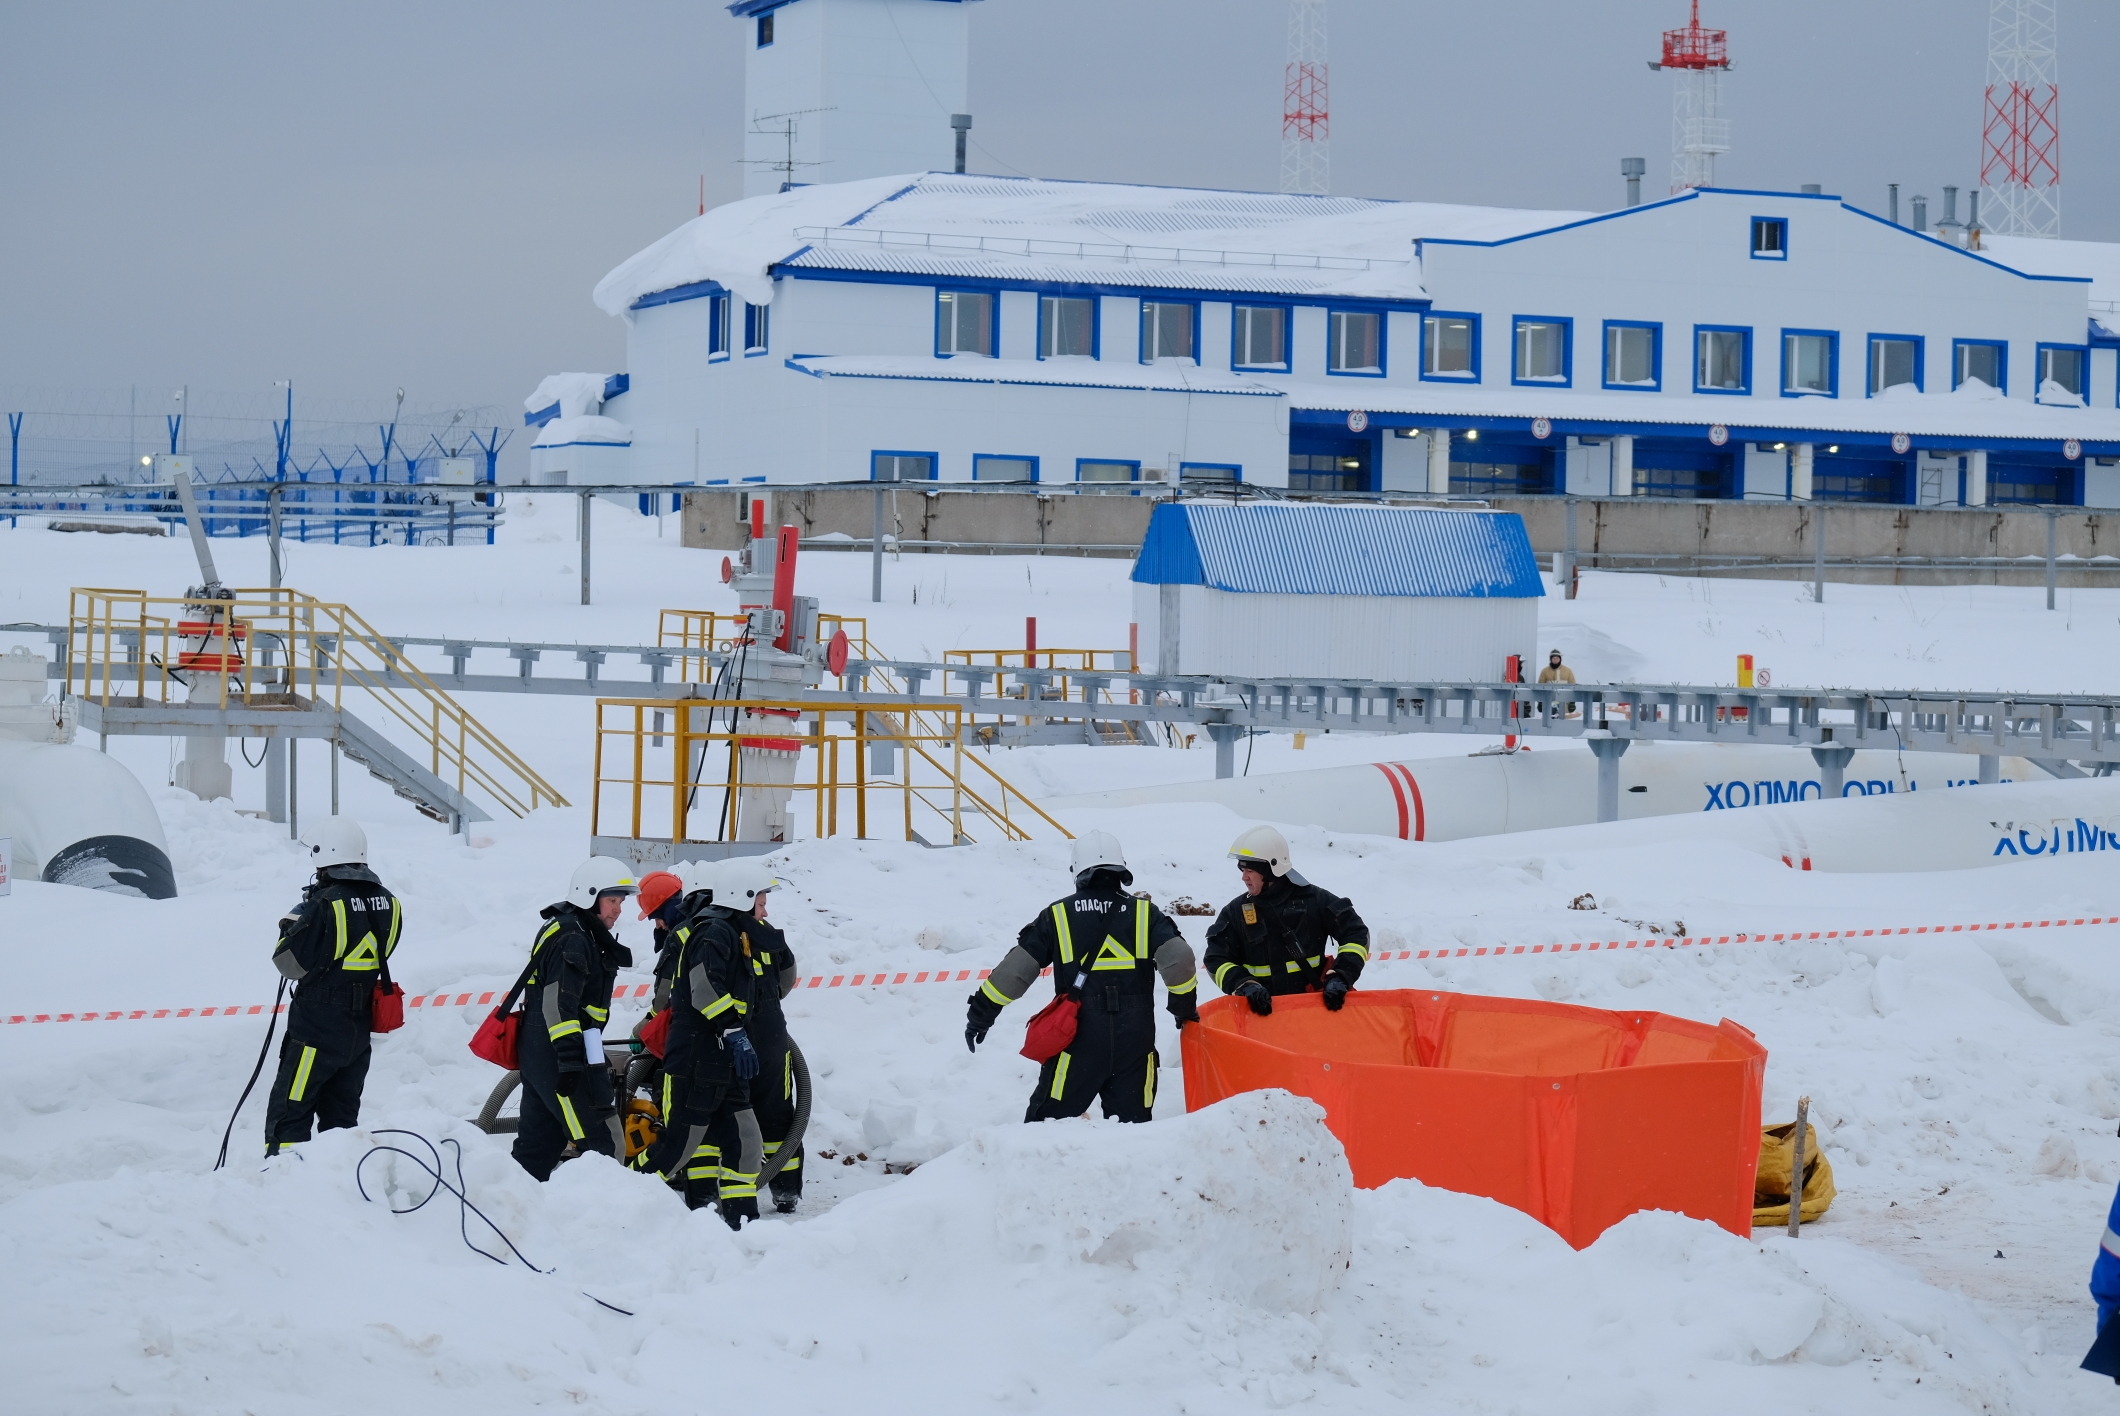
(1770, 1188)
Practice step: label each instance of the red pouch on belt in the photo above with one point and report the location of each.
(386, 1008)
(655, 1033)
(495, 1038)
(1053, 1029)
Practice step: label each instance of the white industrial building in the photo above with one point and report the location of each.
(937, 325)
(1283, 590)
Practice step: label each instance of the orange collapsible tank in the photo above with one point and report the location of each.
(1577, 1116)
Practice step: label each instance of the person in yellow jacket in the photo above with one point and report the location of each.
(1557, 672)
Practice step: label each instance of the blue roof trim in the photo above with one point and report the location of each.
(1621, 214)
(1090, 288)
(616, 384)
(542, 416)
(697, 290)
(1112, 387)
(2101, 337)
(744, 9)
(1278, 548)
(580, 442)
(1335, 420)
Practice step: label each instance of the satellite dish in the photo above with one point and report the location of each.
(835, 653)
(728, 571)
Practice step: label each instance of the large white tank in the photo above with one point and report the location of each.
(1955, 830)
(1452, 798)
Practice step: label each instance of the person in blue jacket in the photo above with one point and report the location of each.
(2104, 1357)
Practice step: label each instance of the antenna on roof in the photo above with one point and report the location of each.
(1697, 59)
(2020, 147)
(1306, 115)
(784, 165)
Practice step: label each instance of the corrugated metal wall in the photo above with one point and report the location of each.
(1381, 637)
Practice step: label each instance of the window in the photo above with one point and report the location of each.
(1770, 238)
(1722, 359)
(1167, 331)
(1542, 354)
(1450, 346)
(718, 327)
(901, 466)
(1809, 363)
(1354, 342)
(765, 29)
(1004, 469)
(1209, 474)
(1091, 470)
(1895, 359)
(1329, 472)
(1633, 355)
(1259, 337)
(754, 328)
(2061, 364)
(1983, 359)
(1500, 478)
(964, 323)
(1067, 327)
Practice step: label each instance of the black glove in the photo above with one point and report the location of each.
(742, 1056)
(569, 1083)
(980, 1014)
(1335, 993)
(1184, 1008)
(571, 1053)
(1254, 992)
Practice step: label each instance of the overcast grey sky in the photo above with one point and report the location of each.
(363, 196)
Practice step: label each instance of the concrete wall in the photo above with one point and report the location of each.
(916, 513)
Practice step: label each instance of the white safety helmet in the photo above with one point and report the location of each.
(1096, 850)
(336, 840)
(1262, 846)
(597, 877)
(698, 875)
(741, 880)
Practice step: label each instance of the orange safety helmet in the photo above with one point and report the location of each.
(656, 888)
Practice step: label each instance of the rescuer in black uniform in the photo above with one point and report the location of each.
(708, 1065)
(1270, 940)
(742, 889)
(1105, 949)
(332, 945)
(567, 1094)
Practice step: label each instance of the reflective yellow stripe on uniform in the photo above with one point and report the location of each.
(338, 914)
(1000, 998)
(596, 1014)
(566, 1110)
(737, 1185)
(301, 1074)
(720, 1005)
(1140, 929)
(1060, 1077)
(397, 917)
(1188, 986)
(1360, 951)
(1148, 1089)
(1223, 971)
(563, 1029)
(1067, 940)
(1261, 970)
(787, 1075)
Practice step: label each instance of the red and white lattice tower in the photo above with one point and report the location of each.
(2020, 144)
(1696, 59)
(1306, 113)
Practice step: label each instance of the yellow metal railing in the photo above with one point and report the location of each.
(701, 632)
(686, 777)
(269, 648)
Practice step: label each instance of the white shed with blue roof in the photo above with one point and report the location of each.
(1287, 591)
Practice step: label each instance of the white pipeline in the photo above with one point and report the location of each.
(80, 818)
(1954, 830)
(1452, 798)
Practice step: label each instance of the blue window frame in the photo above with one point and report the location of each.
(1258, 336)
(2066, 364)
(893, 465)
(1810, 363)
(755, 329)
(1354, 343)
(718, 327)
(1170, 329)
(1106, 469)
(1987, 360)
(967, 322)
(1450, 346)
(765, 29)
(1770, 238)
(1896, 359)
(1067, 326)
(1542, 350)
(1003, 467)
(1722, 359)
(1209, 474)
(1634, 355)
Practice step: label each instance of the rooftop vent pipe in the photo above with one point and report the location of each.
(1632, 169)
(1948, 228)
(962, 122)
(1921, 214)
(1894, 206)
(1812, 189)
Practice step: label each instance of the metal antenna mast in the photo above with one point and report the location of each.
(1306, 113)
(1697, 59)
(2020, 144)
(785, 166)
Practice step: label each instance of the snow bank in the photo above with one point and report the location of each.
(576, 394)
(566, 432)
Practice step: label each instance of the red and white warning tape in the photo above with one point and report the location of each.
(890, 978)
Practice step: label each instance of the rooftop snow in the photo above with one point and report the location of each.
(1166, 376)
(1279, 548)
(961, 226)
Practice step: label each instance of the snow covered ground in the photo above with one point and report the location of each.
(1967, 1089)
